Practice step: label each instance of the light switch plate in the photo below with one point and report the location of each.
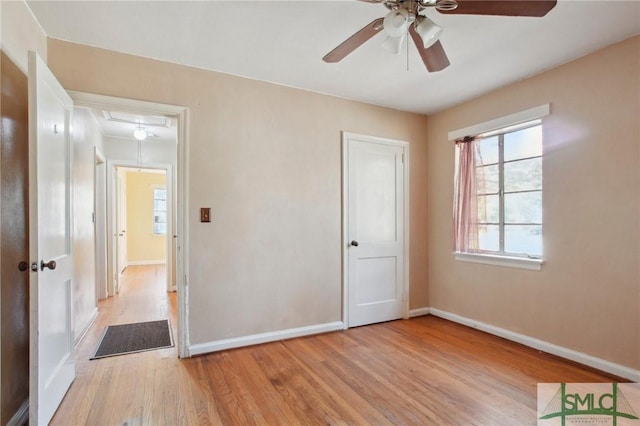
(205, 214)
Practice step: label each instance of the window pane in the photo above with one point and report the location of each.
(160, 194)
(487, 151)
(489, 237)
(488, 209)
(523, 239)
(487, 179)
(523, 175)
(525, 207)
(160, 205)
(523, 143)
(159, 228)
(160, 217)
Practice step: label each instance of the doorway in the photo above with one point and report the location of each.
(122, 155)
(143, 221)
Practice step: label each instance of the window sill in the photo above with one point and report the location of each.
(507, 261)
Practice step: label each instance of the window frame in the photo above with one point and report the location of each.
(485, 129)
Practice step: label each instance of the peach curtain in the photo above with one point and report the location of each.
(465, 210)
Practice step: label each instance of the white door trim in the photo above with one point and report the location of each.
(346, 137)
(181, 176)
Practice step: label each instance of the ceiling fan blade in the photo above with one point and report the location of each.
(535, 8)
(434, 57)
(355, 41)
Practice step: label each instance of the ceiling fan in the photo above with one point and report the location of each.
(408, 16)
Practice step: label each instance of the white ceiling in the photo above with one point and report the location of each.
(121, 125)
(283, 42)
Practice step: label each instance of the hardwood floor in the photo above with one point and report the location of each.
(425, 371)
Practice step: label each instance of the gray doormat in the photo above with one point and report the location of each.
(131, 338)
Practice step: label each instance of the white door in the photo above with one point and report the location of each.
(121, 221)
(51, 359)
(375, 229)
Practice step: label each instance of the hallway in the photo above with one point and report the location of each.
(142, 297)
(104, 384)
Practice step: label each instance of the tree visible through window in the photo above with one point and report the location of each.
(508, 192)
(160, 211)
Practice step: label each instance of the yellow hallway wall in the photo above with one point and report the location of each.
(143, 246)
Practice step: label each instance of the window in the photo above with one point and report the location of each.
(509, 189)
(498, 200)
(160, 211)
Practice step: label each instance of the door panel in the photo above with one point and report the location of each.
(376, 219)
(51, 361)
(375, 224)
(383, 269)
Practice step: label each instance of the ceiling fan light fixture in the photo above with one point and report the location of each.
(393, 44)
(428, 30)
(396, 23)
(140, 134)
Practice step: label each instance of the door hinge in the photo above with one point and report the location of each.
(93, 217)
(403, 158)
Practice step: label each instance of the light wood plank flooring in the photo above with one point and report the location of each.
(423, 371)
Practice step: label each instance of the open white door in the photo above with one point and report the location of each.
(120, 227)
(51, 358)
(121, 219)
(375, 229)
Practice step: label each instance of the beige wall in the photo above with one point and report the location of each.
(587, 296)
(267, 160)
(143, 246)
(21, 33)
(86, 137)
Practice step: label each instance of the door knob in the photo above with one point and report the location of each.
(354, 243)
(23, 266)
(50, 264)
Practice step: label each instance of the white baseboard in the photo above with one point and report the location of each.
(146, 262)
(570, 354)
(87, 325)
(21, 417)
(237, 342)
(418, 312)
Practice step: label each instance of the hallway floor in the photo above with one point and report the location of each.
(103, 386)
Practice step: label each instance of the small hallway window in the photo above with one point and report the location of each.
(160, 211)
